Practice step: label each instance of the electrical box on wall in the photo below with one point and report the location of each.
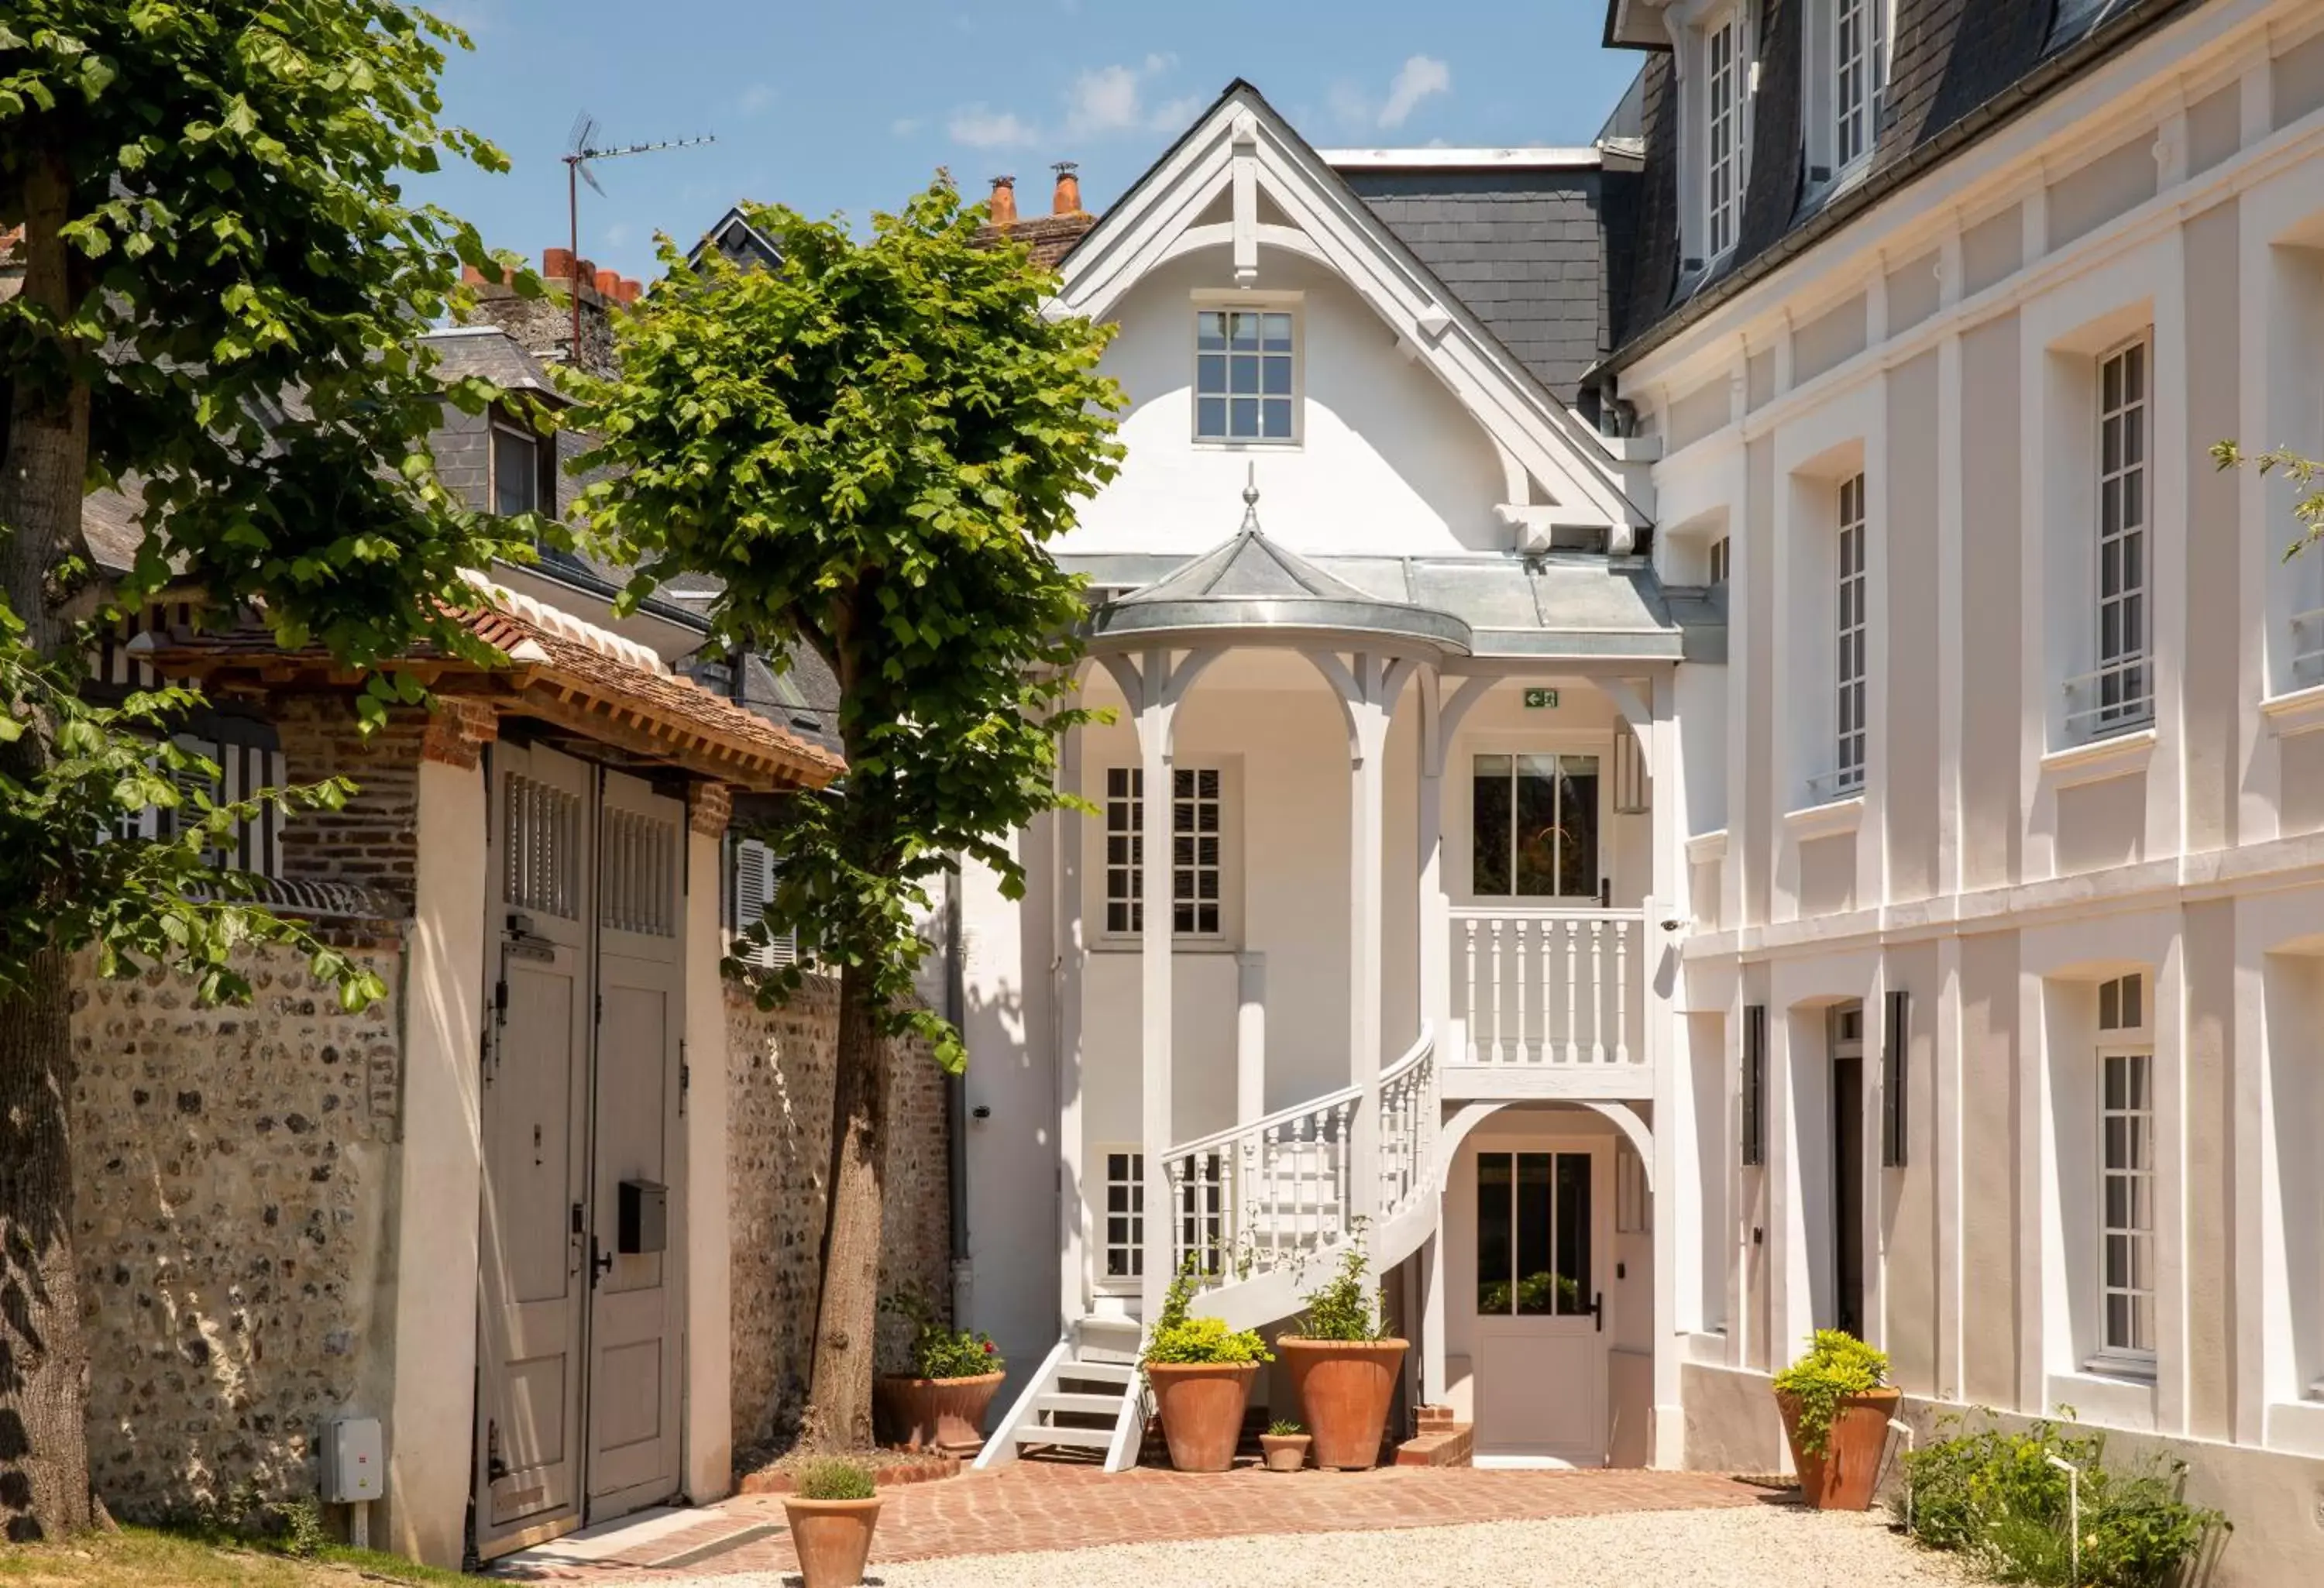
(644, 1217)
(355, 1468)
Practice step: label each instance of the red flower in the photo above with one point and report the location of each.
(987, 1348)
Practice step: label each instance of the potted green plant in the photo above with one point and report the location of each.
(832, 1509)
(1343, 1367)
(940, 1403)
(1836, 1402)
(1285, 1444)
(1200, 1371)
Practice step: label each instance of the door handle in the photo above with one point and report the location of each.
(601, 1263)
(1598, 1309)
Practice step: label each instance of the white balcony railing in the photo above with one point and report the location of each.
(1261, 1200)
(1551, 986)
(2113, 698)
(2308, 647)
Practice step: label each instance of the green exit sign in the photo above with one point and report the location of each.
(1541, 700)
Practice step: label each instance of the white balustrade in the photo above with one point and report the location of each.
(1552, 986)
(1264, 1196)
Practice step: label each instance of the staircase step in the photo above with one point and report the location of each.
(1098, 1372)
(1100, 1406)
(1083, 1438)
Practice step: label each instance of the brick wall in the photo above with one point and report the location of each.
(233, 1173)
(779, 1146)
(374, 841)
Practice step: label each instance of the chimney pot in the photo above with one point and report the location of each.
(1002, 208)
(631, 290)
(1068, 200)
(472, 276)
(609, 284)
(585, 271)
(557, 264)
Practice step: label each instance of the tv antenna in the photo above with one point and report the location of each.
(580, 149)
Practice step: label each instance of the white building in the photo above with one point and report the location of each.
(1839, 847)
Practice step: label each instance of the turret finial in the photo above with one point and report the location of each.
(1250, 502)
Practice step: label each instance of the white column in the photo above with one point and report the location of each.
(709, 1450)
(1152, 714)
(1072, 1206)
(1251, 1036)
(1434, 912)
(1678, 1223)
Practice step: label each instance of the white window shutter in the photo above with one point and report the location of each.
(754, 886)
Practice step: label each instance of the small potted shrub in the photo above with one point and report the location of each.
(1836, 1402)
(1343, 1368)
(1200, 1371)
(940, 1403)
(1285, 1445)
(833, 1508)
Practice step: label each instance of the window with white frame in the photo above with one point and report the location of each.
(1246, 374)
(1860, 54)
(1125, 1215)
(2119, 693)
(1724, 121)
(1533, 822)
(1721, 562)
(1850, 721)
(2126, 1223)
(1197, 852)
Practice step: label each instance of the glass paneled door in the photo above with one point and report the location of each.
(1542, 1245)
(1535, 827)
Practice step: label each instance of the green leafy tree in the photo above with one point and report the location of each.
(2307, 477)
(870, 445)
(221, 282)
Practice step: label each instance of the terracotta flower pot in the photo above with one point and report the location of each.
(1843, 1477)
(1345, 1388)
(832, 1539)
(941, 1414)
(1200, 1406)
(1286, 1453)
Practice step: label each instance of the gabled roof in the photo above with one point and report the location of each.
(1240, 150)
(734, 236)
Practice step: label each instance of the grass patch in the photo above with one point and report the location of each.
(141, 1557)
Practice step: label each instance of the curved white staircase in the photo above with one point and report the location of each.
(1271, 1205)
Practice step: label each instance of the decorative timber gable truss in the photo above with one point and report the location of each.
(1240, 152)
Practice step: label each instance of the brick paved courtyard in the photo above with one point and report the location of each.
(1041, 1506)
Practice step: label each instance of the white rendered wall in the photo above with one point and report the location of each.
(1388, 462)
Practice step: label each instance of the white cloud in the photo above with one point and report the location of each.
(1416, 80)
(904, 126)
(1113, 100)
(756, 98)
(983, 128)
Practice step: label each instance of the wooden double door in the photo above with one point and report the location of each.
(581, 1326)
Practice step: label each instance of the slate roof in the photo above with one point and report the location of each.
(1519, 246)
(490, 352)
(1959, 69)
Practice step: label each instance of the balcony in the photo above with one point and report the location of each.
(1553, 1003)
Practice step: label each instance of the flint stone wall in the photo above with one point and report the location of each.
(779, 1072)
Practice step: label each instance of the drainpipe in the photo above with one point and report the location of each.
(955, 999)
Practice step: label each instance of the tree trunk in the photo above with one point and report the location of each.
(43, 1375)
(839, 1396)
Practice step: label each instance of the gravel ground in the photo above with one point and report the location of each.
(1776, 1546)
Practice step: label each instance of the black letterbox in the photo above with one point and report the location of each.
(644, 1217)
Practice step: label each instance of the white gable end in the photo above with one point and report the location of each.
(1417, 432)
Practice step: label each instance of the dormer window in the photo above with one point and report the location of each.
(1247, 373)
(1859, 76)
(516, 469)
(1722, 90)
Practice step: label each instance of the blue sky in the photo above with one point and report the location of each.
(850, 104)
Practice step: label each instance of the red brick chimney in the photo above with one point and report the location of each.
(1001, 210)
(1068, 199)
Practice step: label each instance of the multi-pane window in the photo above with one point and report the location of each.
(1722, 80)
(1202, 1193)
(2125, 1170)
(1243, 384)
(1851, 670)
(1535, 827)
(1533, 1234)
(2124, 692)
(516, 471)
(1722, 563)
(1197, 851)
(1125, 1215)
(1860, 66)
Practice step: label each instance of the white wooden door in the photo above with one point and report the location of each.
(635, 1334)
(534, 1118)
(1543, 1252)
